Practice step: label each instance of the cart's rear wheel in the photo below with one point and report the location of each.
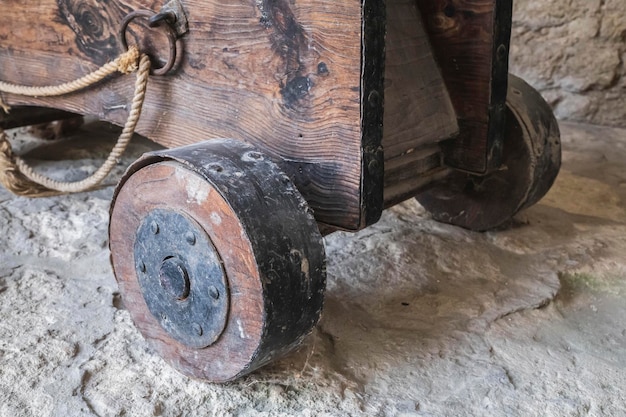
(531, 162)
(218, 258)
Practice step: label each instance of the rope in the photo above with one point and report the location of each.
(19, 178)
(12, 179)
(125, 63)
(5, 108)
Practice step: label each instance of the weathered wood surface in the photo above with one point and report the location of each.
(471, 43)
(284, 76)
(412, 173)
(127, 215)
(288, 77)
(418, 110)
(268, 244)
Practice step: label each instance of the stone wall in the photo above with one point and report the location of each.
(573, 51)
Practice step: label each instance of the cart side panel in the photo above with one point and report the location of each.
(282, 75)
(418, 109)
(471, 43)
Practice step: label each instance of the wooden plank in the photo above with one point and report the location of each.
(471, 44)
(284, 76)
(418, 109)
(408, 175)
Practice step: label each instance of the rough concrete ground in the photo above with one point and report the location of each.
(421, 318)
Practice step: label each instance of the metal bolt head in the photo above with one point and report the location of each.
(214, 292)
(197, 329)
(190, 238)
(373, 166)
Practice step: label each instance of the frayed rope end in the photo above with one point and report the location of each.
(5, 107)
(11, 177)
(129, 61)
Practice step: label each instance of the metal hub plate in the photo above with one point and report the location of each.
(181, 277)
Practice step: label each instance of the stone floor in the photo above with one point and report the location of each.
(421, 318)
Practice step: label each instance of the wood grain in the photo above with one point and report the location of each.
(410, 174)
(268, 244)
(283, 76)
(302, 81)
(418, 109)
(230, 353)
(471, 43)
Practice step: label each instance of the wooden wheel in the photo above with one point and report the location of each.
(218, 258)
(531, 162)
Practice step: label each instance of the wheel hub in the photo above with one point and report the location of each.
(174, 278)
(181, 277)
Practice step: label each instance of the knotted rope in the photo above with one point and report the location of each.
(19, 178)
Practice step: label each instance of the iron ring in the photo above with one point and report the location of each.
(171, 36)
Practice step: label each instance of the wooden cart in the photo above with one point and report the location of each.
(331, 110)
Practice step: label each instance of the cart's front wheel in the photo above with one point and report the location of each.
(217, 256)
(531, 162)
